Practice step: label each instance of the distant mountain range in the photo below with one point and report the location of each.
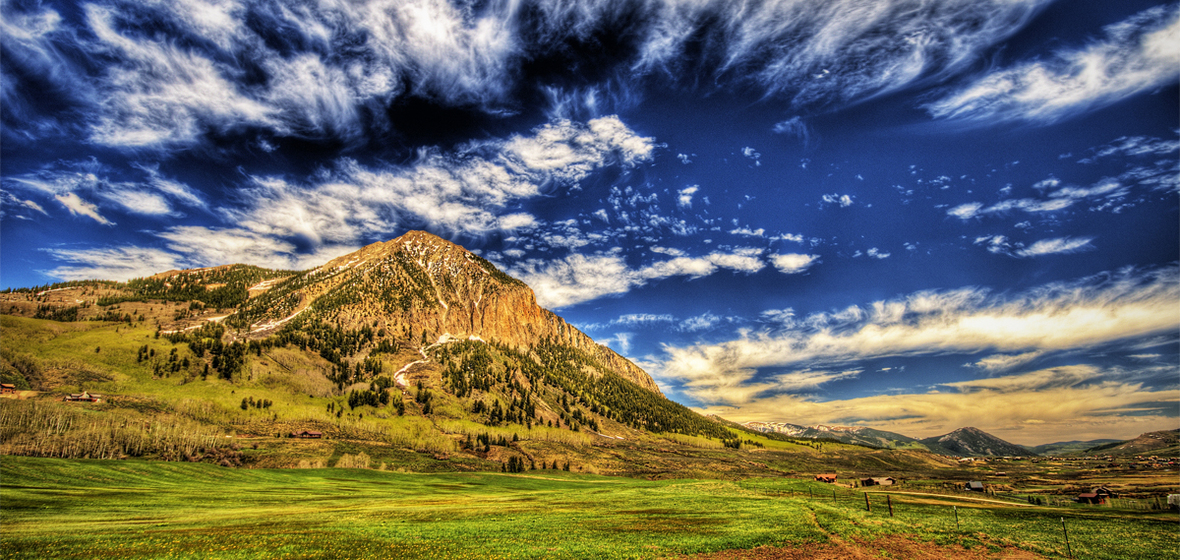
(973, 442)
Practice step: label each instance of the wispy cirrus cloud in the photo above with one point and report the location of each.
(696, 323)
(1136, 55)
(331, 70)
(83, 186)
(1000, 245)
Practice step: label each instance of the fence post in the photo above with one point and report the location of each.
(810, 494)
(889, 502)
(868, 506)
(833, 495)
(956, 518)
(1068, 550)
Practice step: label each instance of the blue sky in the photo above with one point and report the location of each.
(905, 214)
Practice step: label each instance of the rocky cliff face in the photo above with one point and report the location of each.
(425, 288)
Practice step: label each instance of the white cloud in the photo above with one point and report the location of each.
(793, 263)
(67, 182)
(1100, 310)
(203, 246)
(1137, 55)
(120, 263)
(747, 232)
(637, 319)
(684, 196)
(156, 95)
(466, 192)
(795, 127)
(1006, 362)
(205, 69)
(877, 253)
(1060, 245)
(825, 53)
(78, 207)
(579, 278)
(842, 199)
(701, 322)
(752, 154)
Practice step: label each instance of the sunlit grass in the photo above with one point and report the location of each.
(130, 509)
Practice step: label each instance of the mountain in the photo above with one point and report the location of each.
(845, 434)
(425, 289)
(412, 345)
(1166, 442)
(1070, 447)
(973, 442)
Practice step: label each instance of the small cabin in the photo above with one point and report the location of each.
(974, 486)
(7, 389)
(878, 481)
(830, 478)
(84, 396)
(1091, 498)
(307, 434)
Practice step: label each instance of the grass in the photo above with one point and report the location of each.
(131, 509)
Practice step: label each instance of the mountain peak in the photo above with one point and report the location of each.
(973, 441)
(426, 288)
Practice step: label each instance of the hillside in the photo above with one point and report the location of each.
(974, 442)
(1166, 442)
(414, 351)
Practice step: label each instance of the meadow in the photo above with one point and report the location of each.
(70, 508)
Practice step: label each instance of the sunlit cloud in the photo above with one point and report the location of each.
(1071, 402)
(1123, 306)
(1006, 362)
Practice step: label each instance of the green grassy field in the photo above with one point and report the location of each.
(53, 508)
